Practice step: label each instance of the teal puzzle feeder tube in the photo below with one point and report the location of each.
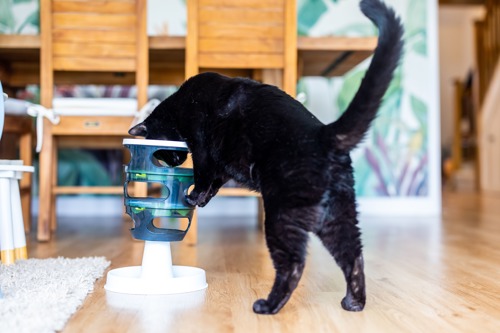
(144, 166)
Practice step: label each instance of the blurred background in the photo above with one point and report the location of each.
(424, 139)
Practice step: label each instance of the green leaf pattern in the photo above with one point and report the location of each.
(393, 159)
(19, 16)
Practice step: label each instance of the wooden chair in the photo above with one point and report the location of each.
(256, 38)
(86, 38)
(260, 35)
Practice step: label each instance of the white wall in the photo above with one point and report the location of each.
(456, 57)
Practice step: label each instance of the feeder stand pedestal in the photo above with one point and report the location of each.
(157, 275)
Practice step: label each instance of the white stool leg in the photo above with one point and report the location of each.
(20, 250)
(6, 232)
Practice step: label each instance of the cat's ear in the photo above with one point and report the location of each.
(138, 130)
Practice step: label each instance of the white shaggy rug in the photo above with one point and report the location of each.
(40, 295)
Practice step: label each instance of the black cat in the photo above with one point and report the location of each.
(261, 137)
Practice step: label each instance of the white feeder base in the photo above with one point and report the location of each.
(128, 280)
(156, 276)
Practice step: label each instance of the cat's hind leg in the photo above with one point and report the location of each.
(340, 234)
(287, 242)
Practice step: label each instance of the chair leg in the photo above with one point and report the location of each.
(53, 201)
(45, 187)
(192, 235)
(261, 216)
(140, 190)
(273, 76)
(19, 236)
(26, 154)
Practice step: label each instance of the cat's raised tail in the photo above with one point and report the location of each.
(353, 124)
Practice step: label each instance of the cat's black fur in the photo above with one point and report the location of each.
(261, 137)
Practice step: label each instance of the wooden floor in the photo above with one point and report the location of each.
(423, 275)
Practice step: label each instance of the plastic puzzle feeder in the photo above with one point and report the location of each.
(157, 275)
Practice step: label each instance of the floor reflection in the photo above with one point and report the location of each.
(156, 312)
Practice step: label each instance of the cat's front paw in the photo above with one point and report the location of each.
(190, 200)
(262, 306)
(198, 199)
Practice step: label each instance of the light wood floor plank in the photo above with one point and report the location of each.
(423, 275)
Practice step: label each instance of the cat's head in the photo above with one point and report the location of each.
(157, 128)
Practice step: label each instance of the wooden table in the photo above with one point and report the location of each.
(325, 56)
(317, 56)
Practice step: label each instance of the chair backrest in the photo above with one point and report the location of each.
(256, 34)
(93, 35)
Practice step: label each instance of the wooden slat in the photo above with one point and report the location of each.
(241, 16)
(243, 45)
(94, 50)
(20, 41)
(176, 76)
(94, 6)
(241, 60)
(46, 78)
(336, 43)
(94, 77)
(75, 35)
(24, 73)
(142, 54)
(166, 42)
(290, 55)
(94, 64)
(93, 21)
(232, 31)
(92, 125)
(118, 190)
(91, 142)
(192, 65)
(236, 192)
(243, 3)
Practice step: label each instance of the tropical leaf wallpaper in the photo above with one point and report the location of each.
(394, 160)
(19, 16)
